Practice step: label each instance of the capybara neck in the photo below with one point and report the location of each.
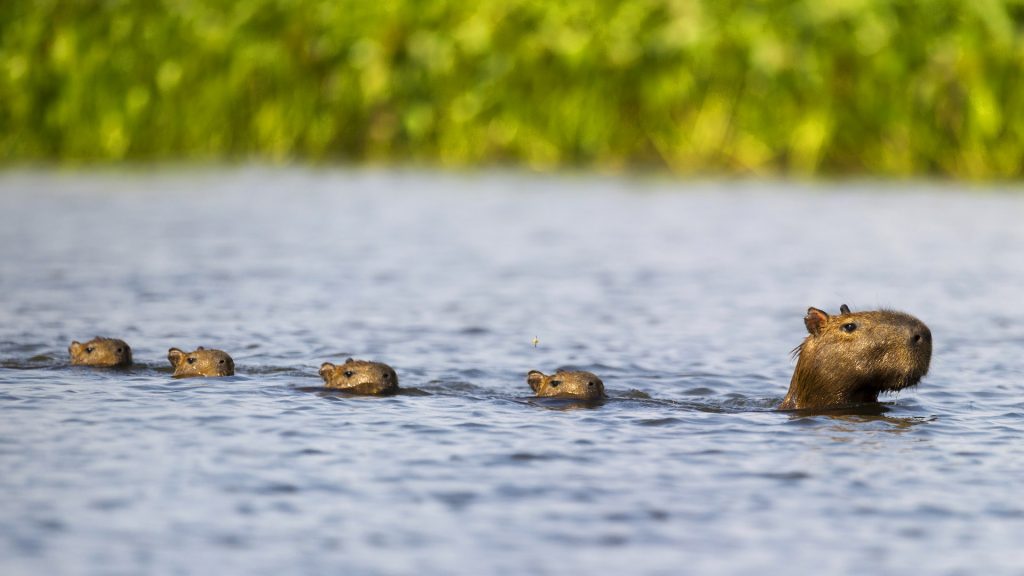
(566, 384)
(360, 377)
(200, 362)
(850, 358)
(100, 352)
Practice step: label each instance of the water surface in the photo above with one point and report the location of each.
(686, 298)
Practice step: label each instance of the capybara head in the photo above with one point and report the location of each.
(850, 358)
(201, 362)
(360, 377)
(566, 384)
(101, 352)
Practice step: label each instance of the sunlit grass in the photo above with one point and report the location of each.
(837, 87)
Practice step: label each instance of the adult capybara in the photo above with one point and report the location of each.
(566, 384)
(360, 377)
(200, 362)
(849, 358)
(100, 352)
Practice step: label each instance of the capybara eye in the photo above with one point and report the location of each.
(89, 350)
(386, 375)
(349, 373)
(590, 384)
(191, 360)
(848, 327)
(556, 383)
(221, 361)
(119, 350)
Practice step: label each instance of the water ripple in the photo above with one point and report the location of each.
(685, 299)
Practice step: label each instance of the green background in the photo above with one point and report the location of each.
(878, 87)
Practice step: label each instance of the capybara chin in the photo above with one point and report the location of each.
(360, 377)
(100, 352)
(200, 362)
(850, 358)
(566, 384)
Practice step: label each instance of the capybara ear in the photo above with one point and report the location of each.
(200, 348)
(349, 361)
(814, 320)
(325, 370)
(75, 348)
(844, 309)
(175, 356)
(535, 378)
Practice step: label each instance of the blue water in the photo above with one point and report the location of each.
(685, 297)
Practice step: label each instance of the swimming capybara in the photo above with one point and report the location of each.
(100, 352)
(848, 359)
(566, 384)
(360, 377)
(201, 362)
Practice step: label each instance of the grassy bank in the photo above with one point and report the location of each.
(804, 86)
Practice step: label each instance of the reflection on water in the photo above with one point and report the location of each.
(563, 404)
(684, 298)
(861, 418)
(325, 392)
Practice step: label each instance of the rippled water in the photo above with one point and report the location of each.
(686, 298)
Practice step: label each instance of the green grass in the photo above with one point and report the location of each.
(881, 87)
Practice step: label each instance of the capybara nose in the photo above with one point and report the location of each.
(920, 336)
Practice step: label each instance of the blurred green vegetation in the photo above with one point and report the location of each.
(882, 87)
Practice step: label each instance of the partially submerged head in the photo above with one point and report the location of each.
(850, 358)
(360, 377)
(200, 362)
(566, 384)
(100, 352)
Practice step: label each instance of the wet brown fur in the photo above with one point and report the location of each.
(566, 384)
(100, 351)
(360, 377)
(200, 362)
(851, 357)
